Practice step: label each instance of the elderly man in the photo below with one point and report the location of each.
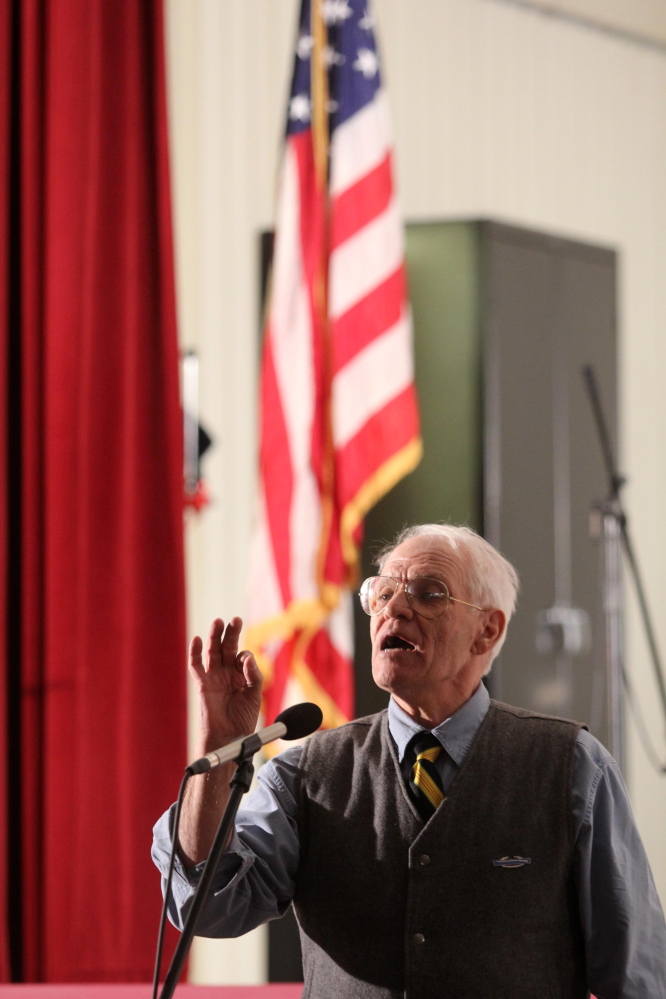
(449, 846)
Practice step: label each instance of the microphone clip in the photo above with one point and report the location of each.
(248, 747)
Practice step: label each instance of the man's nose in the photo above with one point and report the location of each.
(399, 605)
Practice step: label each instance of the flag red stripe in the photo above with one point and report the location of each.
(311, 209)
(276, 476)
(332, 670)
(361, 203)
(385, 433)
(369, 318)
(274, 692)
(334, 564)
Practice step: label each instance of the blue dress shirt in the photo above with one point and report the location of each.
(620, 914)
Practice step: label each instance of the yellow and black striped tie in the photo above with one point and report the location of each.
(424, 782)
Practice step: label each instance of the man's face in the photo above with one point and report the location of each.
(428, 661)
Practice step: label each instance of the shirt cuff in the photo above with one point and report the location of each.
(230, 863)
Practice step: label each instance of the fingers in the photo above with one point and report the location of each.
(196, 665)
(222, 652)
(251, 672)
(229, 645)
(214, 644)
(223, 642)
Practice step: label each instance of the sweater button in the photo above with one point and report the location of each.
(424, 860)
(419, 939)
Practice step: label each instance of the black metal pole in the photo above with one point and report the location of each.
(614, 508)
(240, 784)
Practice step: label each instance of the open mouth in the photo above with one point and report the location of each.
(396, 642)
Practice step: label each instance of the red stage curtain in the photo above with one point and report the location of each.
(99, 638)
(5, 172)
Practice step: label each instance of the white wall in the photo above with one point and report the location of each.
(500, 110)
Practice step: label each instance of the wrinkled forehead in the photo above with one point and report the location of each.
(427, 555)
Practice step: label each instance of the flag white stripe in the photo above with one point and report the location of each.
(360, 144)
(361, 263)
(368, 383)
(264, 596)
(305, 530)
(340, 626)
(290, 320)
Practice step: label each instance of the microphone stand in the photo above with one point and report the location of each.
(615, 534)
(240, 785)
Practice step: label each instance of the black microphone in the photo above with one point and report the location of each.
(292, 723)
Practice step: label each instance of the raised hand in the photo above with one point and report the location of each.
(229, 686)
(228, 683)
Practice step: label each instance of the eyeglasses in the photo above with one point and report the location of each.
(428, 597)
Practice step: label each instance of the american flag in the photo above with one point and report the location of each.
(339, 420)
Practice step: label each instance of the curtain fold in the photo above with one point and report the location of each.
(101, 635)
(5, 175)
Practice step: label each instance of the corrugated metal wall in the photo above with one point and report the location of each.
(501, 110)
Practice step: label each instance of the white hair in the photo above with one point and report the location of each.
(493, 581)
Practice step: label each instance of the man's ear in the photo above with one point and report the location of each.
(494, 624)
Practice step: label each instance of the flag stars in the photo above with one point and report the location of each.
(304, 46)
(367, 22)
(367, 63)
(335, 11)
(299, 108)
(333, 58)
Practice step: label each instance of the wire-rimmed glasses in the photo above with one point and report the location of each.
(427, 596)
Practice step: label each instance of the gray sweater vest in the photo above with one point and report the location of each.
(388, 907)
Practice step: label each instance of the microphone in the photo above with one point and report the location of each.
(292, 723)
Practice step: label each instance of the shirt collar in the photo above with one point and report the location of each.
(456, 733)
